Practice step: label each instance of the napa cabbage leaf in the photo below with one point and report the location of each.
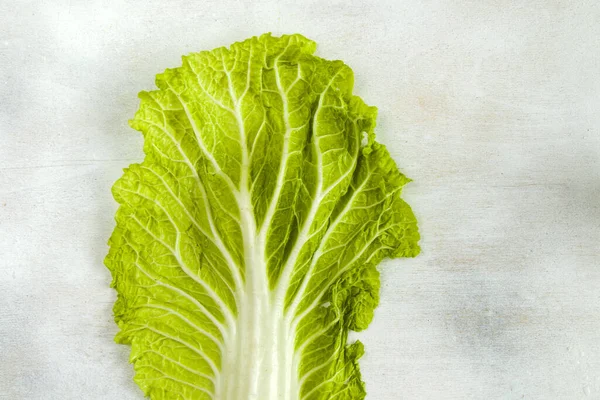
(247, 240)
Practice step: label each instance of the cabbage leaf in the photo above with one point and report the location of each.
(247, 240)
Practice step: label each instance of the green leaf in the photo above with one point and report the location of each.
(247, 240)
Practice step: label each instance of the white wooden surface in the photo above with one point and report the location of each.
(491, 106)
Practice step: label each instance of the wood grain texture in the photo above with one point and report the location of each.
(492, 107)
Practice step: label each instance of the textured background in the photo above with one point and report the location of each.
(491, 106)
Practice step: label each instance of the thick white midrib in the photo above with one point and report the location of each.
(251, 304)
(259, 327)
(286, 374)
(258, 299)
(287, 339)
